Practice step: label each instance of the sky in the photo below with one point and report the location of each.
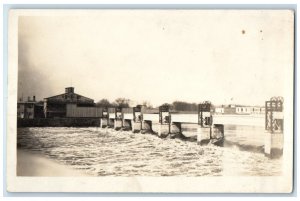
(157, 56)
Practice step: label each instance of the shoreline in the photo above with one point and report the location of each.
(34, 164)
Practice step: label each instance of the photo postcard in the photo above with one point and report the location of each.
(150, 100)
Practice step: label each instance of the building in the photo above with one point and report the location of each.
(230, 109)
(74, 111)
(250, 110)
(219, 110)
(244, 110)
(239, 109)
(56, 106)
(29, 109)
(25, 109)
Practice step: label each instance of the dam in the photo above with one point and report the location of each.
(203, 126)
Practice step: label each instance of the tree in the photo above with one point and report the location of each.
(103, 103)
(147, 104)
(122, 102)
(168, 105)
(184, 106)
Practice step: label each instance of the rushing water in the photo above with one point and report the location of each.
(106, 152)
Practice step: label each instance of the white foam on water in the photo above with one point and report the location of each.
(107, 152)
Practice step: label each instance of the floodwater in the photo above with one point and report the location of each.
(107, 152)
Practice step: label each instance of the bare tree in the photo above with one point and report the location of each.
(103, 103)
(147, 104)
(122, 102)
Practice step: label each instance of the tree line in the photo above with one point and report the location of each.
(120, 102)
(125, 103)
(182, 106)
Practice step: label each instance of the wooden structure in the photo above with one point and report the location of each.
(56, 106)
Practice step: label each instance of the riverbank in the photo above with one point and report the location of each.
(60, 122)
(32, 164)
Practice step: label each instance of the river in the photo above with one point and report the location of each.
(107, 152)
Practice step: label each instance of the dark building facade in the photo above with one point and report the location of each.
(56, 106)
(25, 109)
(29, 109)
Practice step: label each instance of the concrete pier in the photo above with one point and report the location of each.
(273, 144)
(163, 130)
(136, 126)
(203, 135)
(103, 122)
(274, 127)
(118, 123)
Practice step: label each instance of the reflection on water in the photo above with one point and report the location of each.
(103, 152)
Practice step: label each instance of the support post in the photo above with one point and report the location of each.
(104, 118)
(164, 121)
(136, 123)
(118, 121)
(274, 127)
(204, 123)
(199, 135)
(103, 122)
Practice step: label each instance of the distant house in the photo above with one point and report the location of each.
(56, 106)
(250, 110)
(244, 110)
(29, 109)
(239, 109)
(230, 109)
(219, 110)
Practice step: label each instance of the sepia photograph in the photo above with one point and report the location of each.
(150, 100)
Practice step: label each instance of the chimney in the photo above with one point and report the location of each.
(33, 98)
(69, 90)
(28, 98)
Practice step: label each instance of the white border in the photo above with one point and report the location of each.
(280, 184)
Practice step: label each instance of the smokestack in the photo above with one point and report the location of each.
(28, 98)
(33, 98)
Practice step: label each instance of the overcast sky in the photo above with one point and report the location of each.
(156, 55)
